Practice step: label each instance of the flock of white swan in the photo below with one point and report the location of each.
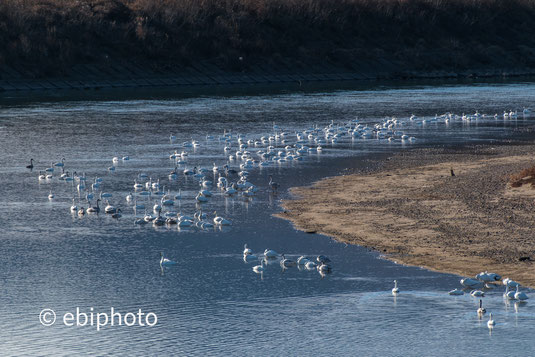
(239, 156)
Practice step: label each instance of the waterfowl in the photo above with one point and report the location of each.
(61, 163)
(509, 294)
(274, 186)
(322, 259)
(129, 197)
(249, 258)
(302, 260)
(117, 214)
(246, 250)
(510, 283)
(490, 323)
(140, 221)
(477, 293)
(520, 295)
(50, 195)
(324, 268)
(470, 283)
(456, 292)
(164, 261)
(74, 208)
(110, 208)
(481, 310)
(94, 209)
(220, 221)
(259, 268)
(310, 265)
(395, 289)
(286, 263)
(81, 211)
(270, 254)
(30, 166)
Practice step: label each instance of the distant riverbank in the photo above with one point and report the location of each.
(90, 44)
(415, 212)
(91, 78)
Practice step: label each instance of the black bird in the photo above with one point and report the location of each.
(30, 166)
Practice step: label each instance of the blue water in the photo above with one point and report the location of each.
(211, 302)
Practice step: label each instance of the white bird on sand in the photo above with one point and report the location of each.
(395, 289)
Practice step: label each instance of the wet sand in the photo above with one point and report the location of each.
(414, 212)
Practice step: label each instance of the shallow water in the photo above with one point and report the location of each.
(211, 302)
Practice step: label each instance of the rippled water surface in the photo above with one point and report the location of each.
(211, 302)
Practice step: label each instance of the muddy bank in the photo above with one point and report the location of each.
(415, 212)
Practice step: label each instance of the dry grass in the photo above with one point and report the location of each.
(526, 176)
(48, 36)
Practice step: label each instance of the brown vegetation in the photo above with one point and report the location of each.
(526, 176)
(49, 36)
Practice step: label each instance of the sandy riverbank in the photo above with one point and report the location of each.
(416, 213)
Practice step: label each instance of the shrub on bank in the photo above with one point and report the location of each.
(49, 36)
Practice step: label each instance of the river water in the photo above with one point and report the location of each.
(211, 302)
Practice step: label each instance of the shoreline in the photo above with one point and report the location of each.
(94, 78)
(414, 212)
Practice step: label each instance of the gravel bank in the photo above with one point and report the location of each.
(415, 212)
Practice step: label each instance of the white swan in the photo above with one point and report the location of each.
(456, 292)
(247, 251)
(287, 263)
(110, 208)
(270, 254)
(510, 283)
(74, 208)
(302, 260)
(51, 196)
(220, 221)
(491, 322)
(470, 283)
(477, 293)
(164, 261)
(259, 268)
(509, 294)
(520, 295)
(395, 289)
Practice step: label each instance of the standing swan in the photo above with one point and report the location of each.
(395, 290)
